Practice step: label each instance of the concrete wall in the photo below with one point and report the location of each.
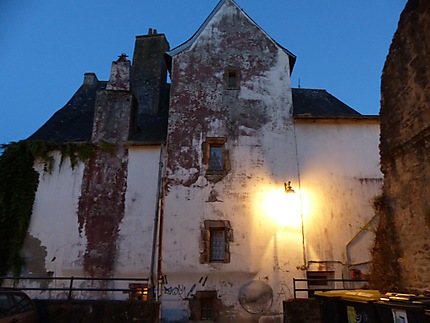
(401, 253)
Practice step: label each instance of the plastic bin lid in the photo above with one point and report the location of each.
(363, 295)
(332, 293)
(406, 298)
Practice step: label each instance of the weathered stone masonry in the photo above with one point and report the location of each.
(101, 205)
(403, 244)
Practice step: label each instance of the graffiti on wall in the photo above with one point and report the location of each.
(284, 292)
(181, 291)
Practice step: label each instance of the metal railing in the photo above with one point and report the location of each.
(353, 284)
(70, 288)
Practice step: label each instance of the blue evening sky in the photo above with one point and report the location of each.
(48, 45)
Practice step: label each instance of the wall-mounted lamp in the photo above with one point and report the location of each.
(288, 188)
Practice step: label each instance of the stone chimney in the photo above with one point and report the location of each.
(119, 79)
(149, 73)
(113, 107)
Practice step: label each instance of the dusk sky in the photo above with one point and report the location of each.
(48, 45)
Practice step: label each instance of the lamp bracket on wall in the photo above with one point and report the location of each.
(288, 188)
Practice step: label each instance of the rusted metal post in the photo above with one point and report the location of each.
(70, 288)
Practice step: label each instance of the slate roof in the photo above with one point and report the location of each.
(321, 104)
(74, 122)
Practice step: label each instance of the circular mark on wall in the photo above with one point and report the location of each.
(255, 296)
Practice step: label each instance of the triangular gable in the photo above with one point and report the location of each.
(191, 41)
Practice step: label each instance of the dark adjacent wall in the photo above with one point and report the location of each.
(402, 253)
(60, 311)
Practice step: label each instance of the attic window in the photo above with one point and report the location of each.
(232, 78)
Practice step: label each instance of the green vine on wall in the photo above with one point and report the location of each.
(18, 185)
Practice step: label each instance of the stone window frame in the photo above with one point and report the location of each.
(231, 72)
(206, 147)
(209, 300)
(215, 225)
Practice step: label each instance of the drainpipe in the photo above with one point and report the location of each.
(304, 267)
(157, 226)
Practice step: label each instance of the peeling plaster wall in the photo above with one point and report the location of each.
(58, 240)
(101, 209)
(136, 229)
(256, 121)
(54, 222)
(339, 177)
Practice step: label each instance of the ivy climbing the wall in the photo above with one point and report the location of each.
(18, 184)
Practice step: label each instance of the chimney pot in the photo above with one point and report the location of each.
(90, 79)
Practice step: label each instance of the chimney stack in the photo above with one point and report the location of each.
(90, 79)
(149, 73)
(119, 79)
(113, 106)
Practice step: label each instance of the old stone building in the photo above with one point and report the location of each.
(220, 187)
(402, 251)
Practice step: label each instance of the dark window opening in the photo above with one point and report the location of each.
(232, 78)
(205, 306)
(206, 309)
(319, 280)
(216, 156)
(217, 244)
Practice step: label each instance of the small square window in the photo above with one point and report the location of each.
(232, 78)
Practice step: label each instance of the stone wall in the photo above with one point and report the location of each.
(402, 250)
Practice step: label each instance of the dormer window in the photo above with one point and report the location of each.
(232, 78)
